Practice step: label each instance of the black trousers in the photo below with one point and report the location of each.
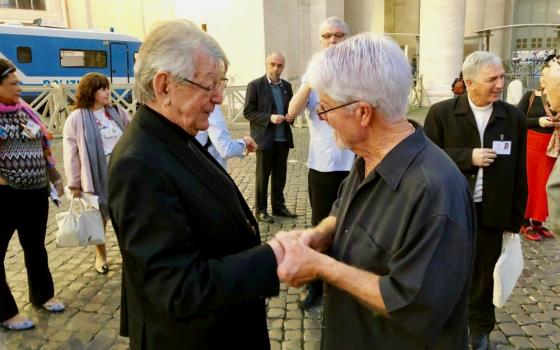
(488, 249)
(323, 190)
(271, 163)
(25, 211)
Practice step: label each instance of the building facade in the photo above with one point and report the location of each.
(437, 33)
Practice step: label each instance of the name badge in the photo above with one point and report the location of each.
(30, 130)
(502, 147)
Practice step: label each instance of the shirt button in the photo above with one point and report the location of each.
(345, 230)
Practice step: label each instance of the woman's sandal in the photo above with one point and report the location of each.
(103, 270)
(21, 325)
(54, 305)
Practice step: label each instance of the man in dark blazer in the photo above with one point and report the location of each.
(194, 272)
(266, 108)
(486, 138)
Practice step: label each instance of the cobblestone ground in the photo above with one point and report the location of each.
(530, 319)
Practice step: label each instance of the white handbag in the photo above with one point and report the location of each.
(508, 268)
(81, 225)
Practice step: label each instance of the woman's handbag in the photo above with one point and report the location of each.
(81, 225)
(508, 268)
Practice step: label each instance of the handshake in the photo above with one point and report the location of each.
(299, 255)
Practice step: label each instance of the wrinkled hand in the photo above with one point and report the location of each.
(278, 250)
(483, 156)
(315, 240)
(276, 118)
(299, 265)
(289, 118)
(76, 192)
(545, 122)
(251, 145)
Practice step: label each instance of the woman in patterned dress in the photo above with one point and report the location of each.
(26, 167)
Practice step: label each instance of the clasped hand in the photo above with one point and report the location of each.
(298, 261)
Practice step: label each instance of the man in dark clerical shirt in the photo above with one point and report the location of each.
(400, 235)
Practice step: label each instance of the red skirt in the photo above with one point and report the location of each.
(539, 166)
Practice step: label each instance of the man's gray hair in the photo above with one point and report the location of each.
(172, 46)
(334, 22)
(367, 67)
(476, 61)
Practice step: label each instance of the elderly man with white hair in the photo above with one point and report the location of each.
(486, 138)
(194, 272)
(400, 235)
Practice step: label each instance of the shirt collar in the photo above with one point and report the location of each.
(274, 84)
(396, 162)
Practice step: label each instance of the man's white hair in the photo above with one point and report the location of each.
(477, 61)
(172, 46)
(367, 67)
(334, 22)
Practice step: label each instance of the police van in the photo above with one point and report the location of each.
(46, 55)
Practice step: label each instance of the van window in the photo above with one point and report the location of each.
(24, 54)
(83, 58)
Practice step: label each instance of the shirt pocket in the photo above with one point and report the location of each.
(364, 252)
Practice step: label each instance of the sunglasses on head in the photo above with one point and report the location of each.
(7, 71)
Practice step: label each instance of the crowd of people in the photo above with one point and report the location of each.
(398, 210)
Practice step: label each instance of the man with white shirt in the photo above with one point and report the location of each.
(486, 138)
(328, 164)
(218, 142)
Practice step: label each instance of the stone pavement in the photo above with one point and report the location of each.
(530, 319)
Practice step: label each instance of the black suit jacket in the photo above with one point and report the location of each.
(451, 125)
(259, 105)
(194, 273)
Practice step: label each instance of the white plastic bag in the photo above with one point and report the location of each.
(508, 268)
(81, 225)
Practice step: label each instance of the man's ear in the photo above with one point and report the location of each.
(161, 84)
(468, 83)
(365, 113)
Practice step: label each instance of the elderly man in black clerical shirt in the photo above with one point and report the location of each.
(397, 250)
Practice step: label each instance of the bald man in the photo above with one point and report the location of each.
(266, 106)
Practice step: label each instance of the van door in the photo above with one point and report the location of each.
(119, 64)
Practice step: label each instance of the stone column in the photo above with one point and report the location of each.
(495, 17)
(474, 20)
(378, 16)
(442, 27)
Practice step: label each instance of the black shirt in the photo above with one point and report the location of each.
(410, 221)
(533, 112)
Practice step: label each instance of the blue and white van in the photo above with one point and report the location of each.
(44, 55)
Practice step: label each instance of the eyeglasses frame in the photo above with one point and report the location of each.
(220, 85)
(322, 112)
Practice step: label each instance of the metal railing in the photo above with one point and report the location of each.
(53, 103)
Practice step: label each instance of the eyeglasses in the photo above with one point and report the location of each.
(338, 35)
(220, 85)
(553, 60)
(321, 110)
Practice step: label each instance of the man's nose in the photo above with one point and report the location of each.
(500, 84)
(217, 97)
